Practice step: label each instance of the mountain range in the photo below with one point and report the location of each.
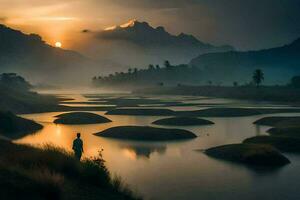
(29, 55)
(279, 64)
(137, 44)
(157, 43)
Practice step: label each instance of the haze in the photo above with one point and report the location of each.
(213, 21)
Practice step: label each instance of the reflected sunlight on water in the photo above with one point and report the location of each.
(157, 169)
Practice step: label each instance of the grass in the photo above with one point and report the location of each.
(53, 173)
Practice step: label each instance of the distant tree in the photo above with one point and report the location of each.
(129, 71)
(160, 84)
(94, 78)
(167, 64)
(258, 77)
(235, 84)
(151, 67)
(194, 67)
(135, 70)
(209, 83)
(295, 82)
(14, 81)
(157, 67)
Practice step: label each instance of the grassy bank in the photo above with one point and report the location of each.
(52, 173)
(263, 93)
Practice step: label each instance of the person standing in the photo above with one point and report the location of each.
(78, 147)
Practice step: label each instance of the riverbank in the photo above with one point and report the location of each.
(52, 173)
(263, 93)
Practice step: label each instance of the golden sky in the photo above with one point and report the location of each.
(245, 24)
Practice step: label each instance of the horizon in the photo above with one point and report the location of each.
(200, 97)
(216, 24)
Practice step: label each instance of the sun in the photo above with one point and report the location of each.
(58, 44)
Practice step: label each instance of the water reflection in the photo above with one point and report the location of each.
(144, 151)
(156, 170)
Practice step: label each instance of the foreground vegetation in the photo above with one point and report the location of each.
(52, 173)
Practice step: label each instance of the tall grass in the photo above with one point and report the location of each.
(53, 173)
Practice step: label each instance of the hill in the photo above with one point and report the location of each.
(17, 97)
(29, 55)
(52, 173)
(279, 64)
(156, 44)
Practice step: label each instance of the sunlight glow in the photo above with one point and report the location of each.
(58, 44)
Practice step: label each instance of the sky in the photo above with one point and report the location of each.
(245, 24)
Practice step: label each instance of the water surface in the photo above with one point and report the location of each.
(174, 170)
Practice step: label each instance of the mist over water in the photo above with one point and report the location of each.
(175, 170)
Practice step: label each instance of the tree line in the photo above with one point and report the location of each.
(153, 75)
(173, 75)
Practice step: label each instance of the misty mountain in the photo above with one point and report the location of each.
(279, 64)
(156, 44)
(29, 55)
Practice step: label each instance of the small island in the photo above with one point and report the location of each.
(286, 144)
(285, 132)
(80, 118)
(221, 112)
(249, 154)
(15, 127)
(182, 121)
(282, 122)
(141, 112)
(146, 133)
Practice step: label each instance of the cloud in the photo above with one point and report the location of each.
(3, 19)
(86, 31)
(246, 24)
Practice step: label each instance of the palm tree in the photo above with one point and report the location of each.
(151, 67)
(167, 64)
(258, 77)
(129, 71)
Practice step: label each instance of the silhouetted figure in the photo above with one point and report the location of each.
(78, 147)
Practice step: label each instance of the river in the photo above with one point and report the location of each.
(175, 170)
